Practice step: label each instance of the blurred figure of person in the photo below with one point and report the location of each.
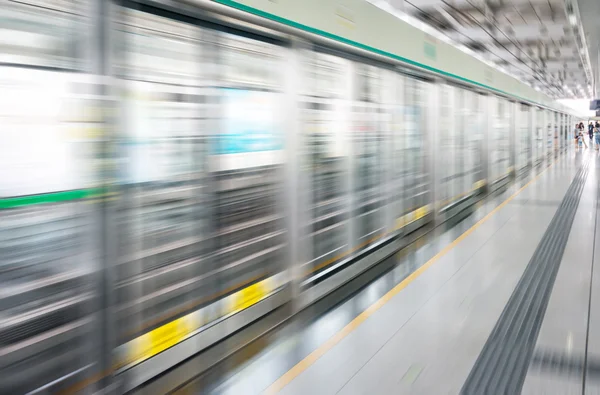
(581, 140)
(591, 132)
(597, 135)
(576, 132)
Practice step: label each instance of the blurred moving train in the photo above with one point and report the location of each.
(147, 216)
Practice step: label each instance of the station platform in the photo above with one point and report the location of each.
(505, 301)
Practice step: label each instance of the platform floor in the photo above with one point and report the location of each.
(422, 327)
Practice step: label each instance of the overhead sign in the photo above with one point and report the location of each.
(595, 105)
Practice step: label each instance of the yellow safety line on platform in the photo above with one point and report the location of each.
(301, 366)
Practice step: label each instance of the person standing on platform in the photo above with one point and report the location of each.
(591, 132)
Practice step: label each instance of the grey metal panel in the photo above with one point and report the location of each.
(501, 182)
(318, 291)
(460, 205)
(146, 370)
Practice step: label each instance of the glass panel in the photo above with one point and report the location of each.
(461, 145)
(473, 139)
(49, 157)
(459, 141)
(398, 147)
(549, 133)
(500, 149)
(162, 217)
(368, 150)
(524, 130)
(416, 181)
(325, 123)
(538, 138)
(48, 35)
(448, 163)
(247, 163)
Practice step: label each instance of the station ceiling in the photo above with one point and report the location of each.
(551, 45)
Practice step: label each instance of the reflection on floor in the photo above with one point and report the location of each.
(257, 366)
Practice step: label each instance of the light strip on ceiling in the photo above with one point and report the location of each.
(389, 8)
(572, 12)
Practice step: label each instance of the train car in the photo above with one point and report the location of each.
(224, 169)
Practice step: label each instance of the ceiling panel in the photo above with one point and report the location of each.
(531, 39)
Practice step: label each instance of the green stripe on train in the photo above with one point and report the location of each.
(52, 197)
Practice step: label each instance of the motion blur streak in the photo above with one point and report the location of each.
(166, 180)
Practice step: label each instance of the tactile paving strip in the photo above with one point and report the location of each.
(502, 364)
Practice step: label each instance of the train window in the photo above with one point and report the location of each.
(46, 36)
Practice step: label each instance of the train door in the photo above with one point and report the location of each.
(325, 160)
(367, 157)
(201, 218)
(447, 162)
(397, 145)
(247, 163)
(538, 137)
(500, 140)
(474, 134)
(565, 135)
(162, 219)
(461, 145)
(417, 145)
(524, 139)
(549, 138)
(50, 233)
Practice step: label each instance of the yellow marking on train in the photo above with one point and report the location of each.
(192, 305)
(313, 357)
(412, 216)
(158, 340)
(296, 370)
(250, 295)
(161, 338)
